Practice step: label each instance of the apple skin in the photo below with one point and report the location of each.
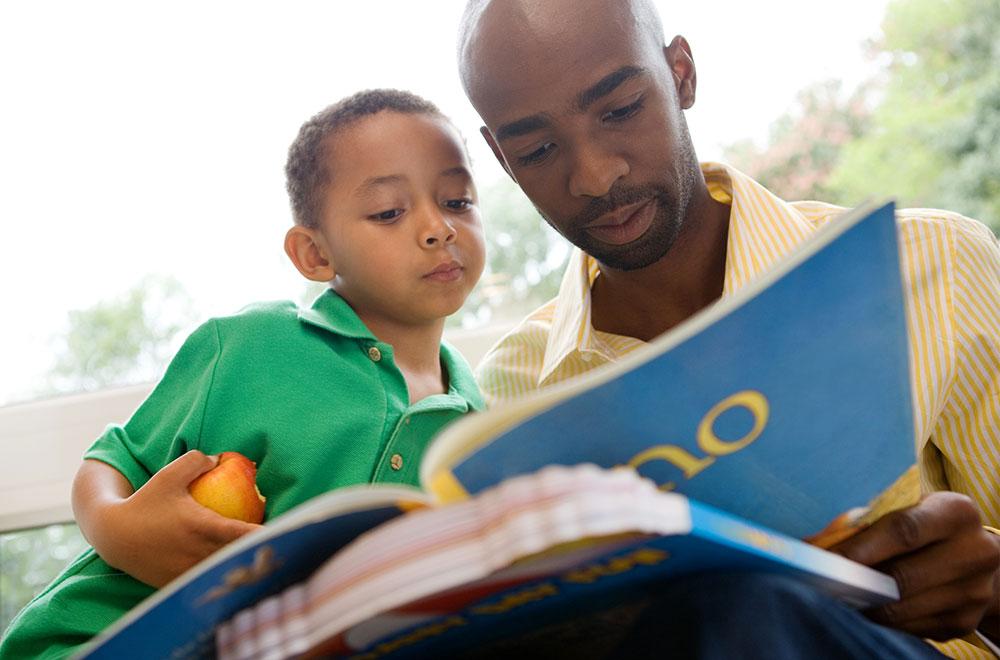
(230, 488)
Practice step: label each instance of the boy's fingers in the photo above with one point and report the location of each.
(221, 530)
(188, 467)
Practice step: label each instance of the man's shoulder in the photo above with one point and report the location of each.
(512, 366)
(955, 226)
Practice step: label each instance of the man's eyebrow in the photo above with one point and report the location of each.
(520, 127)
(606, 85)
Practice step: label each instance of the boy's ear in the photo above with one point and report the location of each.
(308, 252)
(488, 136)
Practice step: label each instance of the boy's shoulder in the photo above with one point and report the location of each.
(258, 321)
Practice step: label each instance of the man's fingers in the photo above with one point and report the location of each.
(969, 554)
(942, 626)
(936, 517)
(955, 605)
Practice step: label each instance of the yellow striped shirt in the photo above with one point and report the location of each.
(951, 271)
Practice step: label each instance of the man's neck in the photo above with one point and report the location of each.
(647, 302)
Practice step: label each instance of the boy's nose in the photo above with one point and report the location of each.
(437, 231)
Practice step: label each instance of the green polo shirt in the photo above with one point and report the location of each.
(310, 395)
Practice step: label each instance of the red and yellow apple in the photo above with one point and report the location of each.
(230, 488)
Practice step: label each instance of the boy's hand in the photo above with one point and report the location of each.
(160, 531)
(947, 566)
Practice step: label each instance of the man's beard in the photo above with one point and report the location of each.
(648, 248)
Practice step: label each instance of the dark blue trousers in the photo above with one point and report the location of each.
(714, 617)
(751, 615)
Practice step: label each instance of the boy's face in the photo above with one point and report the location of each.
(401, 220)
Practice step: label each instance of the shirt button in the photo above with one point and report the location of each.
(396, 462)
(374, 354)
(586, 357)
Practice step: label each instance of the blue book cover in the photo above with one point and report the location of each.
(179, 621)
(787, 404)
(500, 615)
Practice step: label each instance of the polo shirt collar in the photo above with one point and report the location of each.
(331, 312)
(461, 383)
(762, 229)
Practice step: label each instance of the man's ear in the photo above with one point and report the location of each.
(488, 136)
(307, 250)
(681, 63)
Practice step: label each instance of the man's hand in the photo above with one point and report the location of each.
(159, 531)
(947, 566)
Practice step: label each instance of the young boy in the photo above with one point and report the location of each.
(347, 392)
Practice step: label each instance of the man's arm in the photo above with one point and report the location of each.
(946, 564)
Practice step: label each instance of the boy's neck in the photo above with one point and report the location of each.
(417, 353)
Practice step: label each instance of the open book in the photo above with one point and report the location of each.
(769, 415)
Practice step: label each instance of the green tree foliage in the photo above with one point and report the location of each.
(115, 342)
(525, 259)
(805, 144)
(925, 131)
(934, 135)
(29, 560)
(122, 340)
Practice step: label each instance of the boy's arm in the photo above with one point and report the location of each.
(157, 532)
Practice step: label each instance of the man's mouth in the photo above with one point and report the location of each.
(625, 224)
(446, 272)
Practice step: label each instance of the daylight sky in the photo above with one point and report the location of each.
(142, 138)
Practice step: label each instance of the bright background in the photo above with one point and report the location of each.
(141, 138)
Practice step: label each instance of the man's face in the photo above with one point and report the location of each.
(582, 109)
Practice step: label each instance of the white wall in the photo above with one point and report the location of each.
(41, 442)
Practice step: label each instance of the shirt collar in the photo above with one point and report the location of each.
(331, 312)
(461, 383)
(762, 228)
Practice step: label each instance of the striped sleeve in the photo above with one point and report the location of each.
(967, 432)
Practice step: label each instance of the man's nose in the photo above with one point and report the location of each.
(595, 170)
(437, 228)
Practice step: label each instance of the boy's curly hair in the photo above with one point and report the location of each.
(307, 171)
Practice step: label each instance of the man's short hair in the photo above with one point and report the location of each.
(308, 172)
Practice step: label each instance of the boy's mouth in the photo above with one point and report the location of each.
(446, 272)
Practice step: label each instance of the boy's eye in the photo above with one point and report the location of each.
(538, 155)
(458, 204)
(623, 113)
(386, 216)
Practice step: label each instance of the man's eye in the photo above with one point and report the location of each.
(458, 204)
(386, 216)
(538, 155)
(623, 113)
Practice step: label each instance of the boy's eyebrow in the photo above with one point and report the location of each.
(375, 181)
(585, 99)
(457, 171)
(606, 85)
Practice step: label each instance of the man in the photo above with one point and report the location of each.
(583, 105)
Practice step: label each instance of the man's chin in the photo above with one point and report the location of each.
(636, 255)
